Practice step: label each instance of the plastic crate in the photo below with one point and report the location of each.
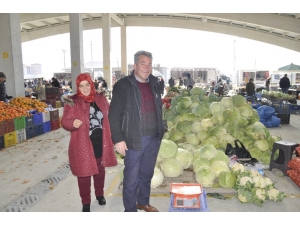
(1, 142)
(29, 121)
(57, 105)
(20, 123)
(60, 111)
(203, 205)
(47, 126)
(21, 135)
(281, 108)
(39, 129)
(55, 124)
(186, 195)
(62, 104)
(285, 118)
(37, 118)
(46, 116)
(51, 90)
(10, 139)
(54, 114)
(9, 126)
(295, 109)
(30, 132)
(53, 96)
(2, 128)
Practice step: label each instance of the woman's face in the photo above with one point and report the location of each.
(85, 87)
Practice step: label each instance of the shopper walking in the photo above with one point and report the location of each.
(284, 84)
(171, 82)
(137, 129)
(90, 148)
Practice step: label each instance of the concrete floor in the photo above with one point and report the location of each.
(34, 177)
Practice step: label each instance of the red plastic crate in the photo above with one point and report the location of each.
(2, 128)
(54, 114)
(55, 124)
(53, 96)
(9, 126)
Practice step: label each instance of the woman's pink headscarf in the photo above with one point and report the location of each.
(82, 77)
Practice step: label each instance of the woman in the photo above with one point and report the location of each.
(90, 148)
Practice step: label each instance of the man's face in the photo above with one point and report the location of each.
(143, 68)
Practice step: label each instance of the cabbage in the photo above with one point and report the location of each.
(227, 179)
(187, 146)
(219, 166)
(216, 107)
(170, 123)
(168, 149)
(218, 131)
(206, 124)
(238, 100)
(218, 118)
(200, 163)
(206, 177)
(171, 167)
(202, 134)
(196, 127)
(263, 145)
(185, 157)
(212, 140)
(184, 126)
(197, 91)
(220, 156)
(200, 111)
(189, 117)
(175, 134)
(227, 102)
(213, 98)
(245, 110)
(232, 115)
(255, 153)
(185, 102)
(265, 157)
(169, 115)
(192, 139)
(157, 178)
(195, 99)
(208, 152)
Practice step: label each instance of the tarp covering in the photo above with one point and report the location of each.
(290, 67)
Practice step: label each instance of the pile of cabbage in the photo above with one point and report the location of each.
(252, 187)
(198, 120)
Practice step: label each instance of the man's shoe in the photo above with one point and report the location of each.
(86, 208)
(101, 200)
(147, 208)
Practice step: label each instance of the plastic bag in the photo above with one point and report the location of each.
(240, 151)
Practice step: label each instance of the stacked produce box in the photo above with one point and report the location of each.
(23, 118)
(53, 97)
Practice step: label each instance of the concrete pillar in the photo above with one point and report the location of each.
(76, 42)
(107, 71)
(124, 66)
(11, 63)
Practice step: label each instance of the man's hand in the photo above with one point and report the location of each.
(121, 147)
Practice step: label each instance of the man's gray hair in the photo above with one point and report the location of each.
(139, 53)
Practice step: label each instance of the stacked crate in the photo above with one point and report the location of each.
(46, 121)
(20, 128)
(38, 123)
(60, 113)
(283, 111)
(54, 119)
(8, 132)
(53, 96)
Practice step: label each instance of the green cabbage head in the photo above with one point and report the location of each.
(227, 179)
(171, 167)
(157, 178)
(208, 152)
(185, 157)
(168, 149)
(206, 177)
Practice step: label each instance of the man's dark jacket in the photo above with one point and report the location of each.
(125, 111)
(284, 82)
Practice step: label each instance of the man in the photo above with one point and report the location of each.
(3, 95)
(162, 86)
(250, 87)
(137, 129)
(96, 84)
(171, 82)
(180, 81)
(189, 82)
(284, 84)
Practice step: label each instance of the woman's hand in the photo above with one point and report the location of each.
(77, 123)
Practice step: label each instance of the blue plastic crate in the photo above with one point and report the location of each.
(30, 132)
(295, 109)
(203, 205)
(39, 129)
(37, 118)
(281, 108)
(47, 126)
(29, 121)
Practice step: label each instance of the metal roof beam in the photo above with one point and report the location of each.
(117, 19)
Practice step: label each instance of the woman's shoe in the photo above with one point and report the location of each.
(86, 208)
(101, 200)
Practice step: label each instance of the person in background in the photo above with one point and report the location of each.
(162, 85)
(171, 82)
(55, 82)
(3, 96)
(180, 82)
(104, 84)
(40, 91)
(268, 80)
(250, 88)
(47, 84)
(284, 84)
(137, 130)
(189, 81)
(96, 84)
(90, 148)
